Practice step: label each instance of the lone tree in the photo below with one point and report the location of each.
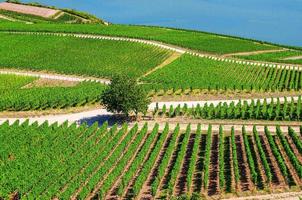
(124, 96)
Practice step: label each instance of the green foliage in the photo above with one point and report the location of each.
(165, 161)
(293, 158)
(194, 158)
(249, 156)
(220, 75)
(295, 139)
(70, 55)
(267, 168)
(207, 157)
(179, 160)
(234, 156)
(16, 98)
(124, 96)
(278, 57)
(277, 154)
(221, 158)
(205, 42)
(91, 159)
(289, 111)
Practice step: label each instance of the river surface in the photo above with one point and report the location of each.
(278, 21)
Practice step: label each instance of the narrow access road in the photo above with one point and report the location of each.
(101, 115)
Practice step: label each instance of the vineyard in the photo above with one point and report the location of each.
(99, 58)
(274, 110)
(195, 40)
(62, 137)
(279, 57)
(217, 75)
(14, 97)
(86, 162)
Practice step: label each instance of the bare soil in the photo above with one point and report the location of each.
(245, 182)
(197, 180)
(182, 178)
(223, 95)
(253, 52)
(277, 177)
(26, 9)
(213, 188)
(42, 82)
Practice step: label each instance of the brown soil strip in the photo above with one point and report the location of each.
(245, 181)
(99, 185)
(277, 177)
(261, 178)
(294, 148)
(254, 52)
(197, 180)
(228, 168)
(181, 184)
(42, 82)
(113, 192)
(259, 162)
(169, 60)
(145, 192)
(223, 95)
(291, 168)
(164, 181)
(25, 114)
(213, 188)
(293, 58)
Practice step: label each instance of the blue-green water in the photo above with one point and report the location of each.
(278, 21)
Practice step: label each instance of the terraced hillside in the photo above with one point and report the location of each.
(224, 146)
(145, 163)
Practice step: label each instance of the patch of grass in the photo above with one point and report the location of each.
(69, 55)
(276, 57)
(200, 41)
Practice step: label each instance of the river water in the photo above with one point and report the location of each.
(278, 21)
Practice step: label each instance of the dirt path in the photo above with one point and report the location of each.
(276, 196)
(169, 60)
(53, 76)
(253, 52)
(293, 58)
(7, 18)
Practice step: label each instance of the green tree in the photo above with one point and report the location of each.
(124, 96)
